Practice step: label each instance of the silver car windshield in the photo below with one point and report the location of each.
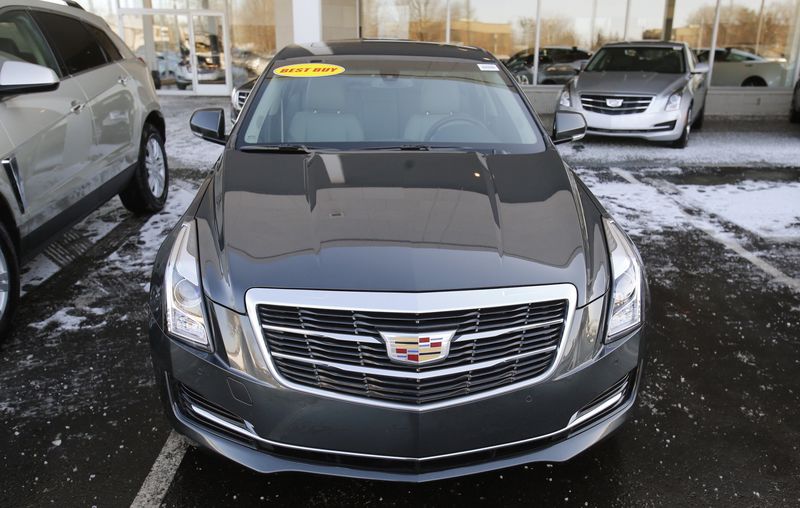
(663, 60)
(356, 103)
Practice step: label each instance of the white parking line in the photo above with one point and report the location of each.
(155, 486)
(671, 191)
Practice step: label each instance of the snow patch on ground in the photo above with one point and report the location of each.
(770, 210)
(184, 149)
(776, 147)
(67, 319)
(137, 256)
(640, 208)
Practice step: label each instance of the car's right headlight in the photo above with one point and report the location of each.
(184, 297)
(627, 286)
(564, 100)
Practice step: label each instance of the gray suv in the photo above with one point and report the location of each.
(79, 123)
(650, 90)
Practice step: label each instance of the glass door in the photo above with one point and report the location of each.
(187, 50)
(211, 73)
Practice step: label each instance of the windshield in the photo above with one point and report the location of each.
(357, 103)
(663, 60)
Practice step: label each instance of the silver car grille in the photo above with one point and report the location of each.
(630, 103)
(342, 352)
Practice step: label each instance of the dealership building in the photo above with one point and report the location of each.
(208, 47)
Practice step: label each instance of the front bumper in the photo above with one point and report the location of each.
(260, 424)
(654, 126)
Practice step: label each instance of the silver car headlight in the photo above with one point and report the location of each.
(627, 287)
(184, 297)
(564, 100)
(674, 102)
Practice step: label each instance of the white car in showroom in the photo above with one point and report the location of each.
(735, 67)
(79, 124)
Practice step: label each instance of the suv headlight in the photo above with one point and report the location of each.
(184, 296)
(564, 100)
(626, 288)
(674, 102)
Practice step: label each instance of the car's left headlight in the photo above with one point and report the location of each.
(627, 285)
(184, 297)
(674, 101)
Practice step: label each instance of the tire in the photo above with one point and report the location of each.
(147, 191)
(181, 86)
(9, 282)
(683, 141)
(754, 81)
(698, 122)
(795, 116)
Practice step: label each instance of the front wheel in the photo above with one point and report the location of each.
(698, 122)
(9, 282)
(148, 188)
(683, 141)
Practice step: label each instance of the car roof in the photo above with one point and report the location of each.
(69, 7)
(383, 47)
(631, 44)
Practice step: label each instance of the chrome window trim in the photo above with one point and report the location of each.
(439, 301)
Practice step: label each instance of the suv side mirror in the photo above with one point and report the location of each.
(568, 126)
(22, 77)
(700, 68)
(209, 124)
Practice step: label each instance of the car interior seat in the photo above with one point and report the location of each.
(323, 117)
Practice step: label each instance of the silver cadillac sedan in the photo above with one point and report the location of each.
(653, 90)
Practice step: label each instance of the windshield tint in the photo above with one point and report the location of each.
(643, 59)
(394, 102)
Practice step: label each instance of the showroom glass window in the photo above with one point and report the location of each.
(79, 51)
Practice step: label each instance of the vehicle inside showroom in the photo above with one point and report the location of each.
(212, 46)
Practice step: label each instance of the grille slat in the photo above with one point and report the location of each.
(543, 319)
(630, 104)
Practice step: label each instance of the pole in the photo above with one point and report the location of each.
(760, 24)
(627, 20)
(535, 76)
(713, 51)
(447, 24)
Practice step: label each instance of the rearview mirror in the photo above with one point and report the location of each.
(209, 124)
(22, 77)
(568, 126)
(700, 68)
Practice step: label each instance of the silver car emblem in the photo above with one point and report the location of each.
(613, 103)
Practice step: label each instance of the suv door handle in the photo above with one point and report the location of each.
(76, 107)
(123, 80)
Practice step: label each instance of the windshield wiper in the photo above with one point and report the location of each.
(418, 148)
(277, 148)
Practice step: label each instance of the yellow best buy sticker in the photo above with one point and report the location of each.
(309, 70)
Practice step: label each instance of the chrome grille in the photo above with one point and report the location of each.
(340, 350)
(630, 104)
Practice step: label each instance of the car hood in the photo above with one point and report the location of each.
(394, 221)
(648, 83)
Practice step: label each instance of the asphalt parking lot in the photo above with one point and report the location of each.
(718, 226)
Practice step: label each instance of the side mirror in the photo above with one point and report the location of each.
(209, 124)
(701, 68)
(22, 77)
(568, 126)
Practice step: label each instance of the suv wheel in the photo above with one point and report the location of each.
(148, 188)
(683, 141)
(9, 281)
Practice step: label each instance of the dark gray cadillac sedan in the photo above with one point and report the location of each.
(392, 274)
